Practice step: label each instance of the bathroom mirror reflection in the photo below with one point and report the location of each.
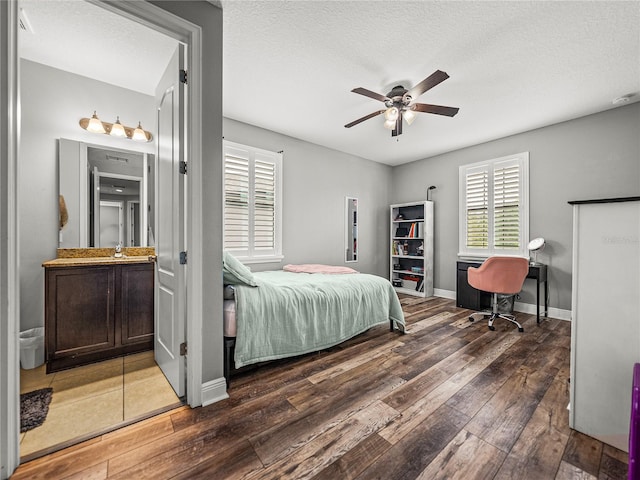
(103, 196)
(351, 229)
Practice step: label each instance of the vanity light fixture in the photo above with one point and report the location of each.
(140, 135)
(95, 125)
(117, 130)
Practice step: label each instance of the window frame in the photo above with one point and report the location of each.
(490, 167)
(251, 254)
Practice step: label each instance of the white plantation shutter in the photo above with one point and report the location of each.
(506, 206)
(477, 208)
(494, 212)
(236, 202)
(264, 220)
(252, 204)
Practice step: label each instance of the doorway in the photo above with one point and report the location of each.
(184, 24)
(109, 383)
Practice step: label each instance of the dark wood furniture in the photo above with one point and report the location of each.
(469, 297)
(97, 311)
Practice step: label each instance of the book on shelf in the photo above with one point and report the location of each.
(415, 230)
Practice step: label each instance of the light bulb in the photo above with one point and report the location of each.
(391, 114)
(390, 124)
(117, 130)
(138, 134)
(95, 125)
(409, 116)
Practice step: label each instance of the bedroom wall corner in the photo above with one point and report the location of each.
(591, 156)
(316, 181)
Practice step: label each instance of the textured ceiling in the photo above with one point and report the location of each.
(289, 66)
(82, 38)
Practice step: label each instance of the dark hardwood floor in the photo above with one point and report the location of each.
(451, 399)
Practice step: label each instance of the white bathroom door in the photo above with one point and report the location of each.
(111, 223)
(170, 291)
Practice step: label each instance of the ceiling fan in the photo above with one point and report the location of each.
(399, 106)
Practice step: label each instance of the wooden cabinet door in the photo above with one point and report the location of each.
(136, 304)
(466, 295)
(80, 312)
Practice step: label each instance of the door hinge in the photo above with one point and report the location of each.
(183, 258)
(183, 167)
(183, 76)
(183, 349)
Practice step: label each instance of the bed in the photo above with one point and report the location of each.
(280, 314)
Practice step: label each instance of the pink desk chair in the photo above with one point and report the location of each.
(499, 275)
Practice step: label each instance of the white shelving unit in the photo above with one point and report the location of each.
(411, 243)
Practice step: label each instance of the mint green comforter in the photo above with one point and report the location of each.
(290, 314)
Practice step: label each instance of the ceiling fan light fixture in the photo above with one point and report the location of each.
(391, 115)
(390, 124)
(398, 103)
(409, 116)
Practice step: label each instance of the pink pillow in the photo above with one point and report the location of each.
(317, 268)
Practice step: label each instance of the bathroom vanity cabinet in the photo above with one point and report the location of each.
(97, 309)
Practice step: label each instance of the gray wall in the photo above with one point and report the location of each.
(52, 103)
(597, 156)
(316, 181)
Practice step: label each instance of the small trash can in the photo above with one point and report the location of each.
(506, 303)
(32, 348)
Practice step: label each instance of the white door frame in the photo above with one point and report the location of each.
(131, 226)
(9, 252)
(175, 27)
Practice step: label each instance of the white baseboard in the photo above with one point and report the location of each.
(558, 313)
(214, 391)
(553, 312)
(450, 294)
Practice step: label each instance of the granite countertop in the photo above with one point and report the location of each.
(75, 257)
(78, 262)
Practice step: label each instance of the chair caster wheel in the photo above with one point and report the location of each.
(520, 329)
(471, 319)
(492, 328)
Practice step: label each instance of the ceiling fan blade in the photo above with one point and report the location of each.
(431, 81)
(366, 117)
(437, 109)
(370, 94)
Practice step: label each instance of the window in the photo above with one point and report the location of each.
(252, 203)
(494, 207)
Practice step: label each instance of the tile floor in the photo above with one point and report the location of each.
(93, 398)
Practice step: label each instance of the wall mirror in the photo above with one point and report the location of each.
(103, 196)
(351, 229)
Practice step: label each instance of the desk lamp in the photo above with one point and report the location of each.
(536, 245)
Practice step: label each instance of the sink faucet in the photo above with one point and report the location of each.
(118, 252)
